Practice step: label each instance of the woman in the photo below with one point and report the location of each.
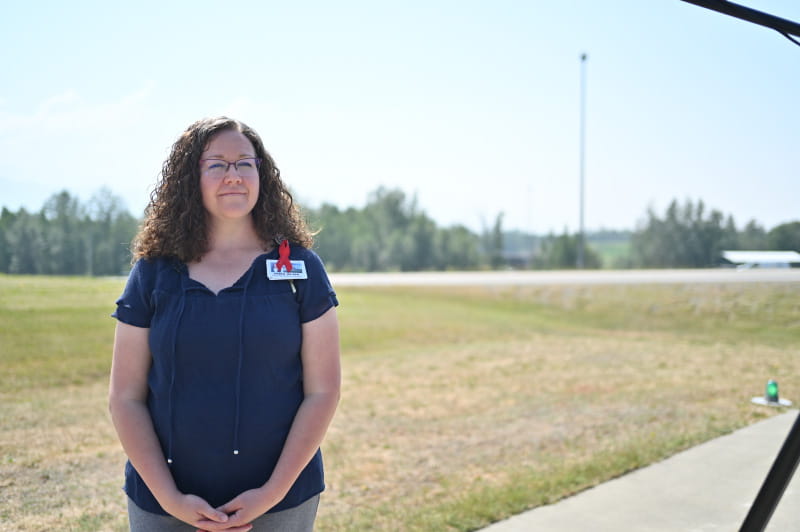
(225, 372)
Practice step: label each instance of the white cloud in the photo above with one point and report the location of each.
(52, 104)
(69, 111)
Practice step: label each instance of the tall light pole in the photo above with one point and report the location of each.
(581, 235)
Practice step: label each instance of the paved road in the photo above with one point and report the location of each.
(566, 277)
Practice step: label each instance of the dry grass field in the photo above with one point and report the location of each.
(460, 406)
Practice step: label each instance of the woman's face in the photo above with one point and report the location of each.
(229, 193)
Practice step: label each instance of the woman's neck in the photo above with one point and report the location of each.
(233, 236)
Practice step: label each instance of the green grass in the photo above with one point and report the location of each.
(461, 406)
(708, 313)
(55, 331)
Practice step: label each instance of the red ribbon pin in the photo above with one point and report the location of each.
(283, 253)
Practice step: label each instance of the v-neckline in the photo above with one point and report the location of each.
(238, 281)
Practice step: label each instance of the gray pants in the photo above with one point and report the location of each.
(298, 519)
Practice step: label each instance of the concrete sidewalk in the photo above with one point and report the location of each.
(707, 488)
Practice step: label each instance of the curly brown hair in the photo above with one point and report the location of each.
(175, 221)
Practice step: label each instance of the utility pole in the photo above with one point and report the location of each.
(581, 234)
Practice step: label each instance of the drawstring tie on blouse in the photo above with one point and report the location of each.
(171, 400)
(239, 362)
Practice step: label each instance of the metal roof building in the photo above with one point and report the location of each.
(762, 259)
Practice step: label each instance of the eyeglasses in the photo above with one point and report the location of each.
(217, 168)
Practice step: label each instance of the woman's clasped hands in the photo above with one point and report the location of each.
(236, 515)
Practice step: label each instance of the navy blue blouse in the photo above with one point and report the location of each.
(226, 378)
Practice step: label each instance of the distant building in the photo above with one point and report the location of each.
(743, 260)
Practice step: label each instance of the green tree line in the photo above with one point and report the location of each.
(687, 235)
(67, 237)
(390, 233)
(690, 236)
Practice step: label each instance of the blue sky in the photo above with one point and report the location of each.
(471, 105)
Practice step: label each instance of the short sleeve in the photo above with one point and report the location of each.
(135, 306)
(315, 294)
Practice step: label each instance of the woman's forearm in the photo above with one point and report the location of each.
(321, 386)
(305, 437)
(134, 427)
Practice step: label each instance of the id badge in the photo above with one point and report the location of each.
(274, 273)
